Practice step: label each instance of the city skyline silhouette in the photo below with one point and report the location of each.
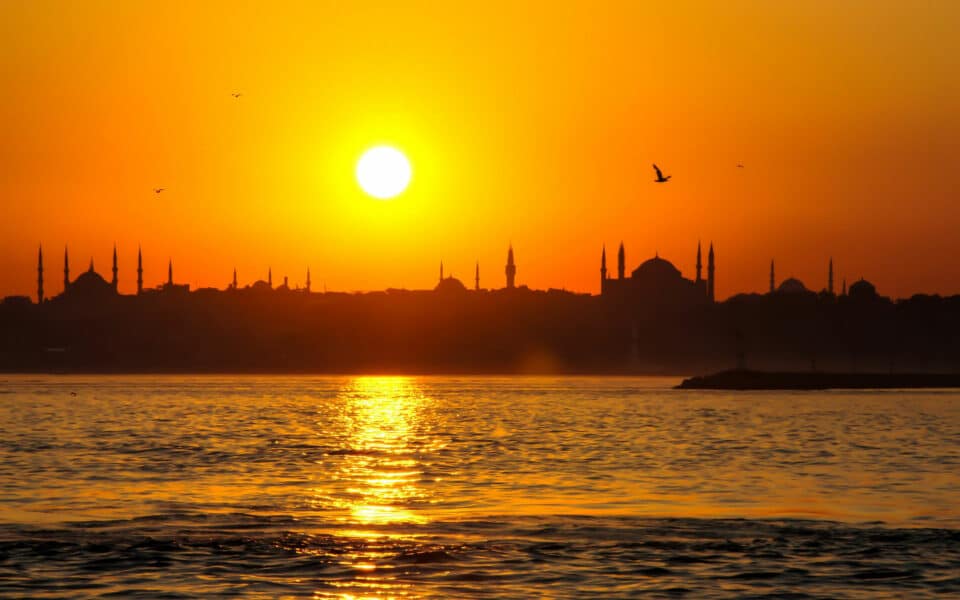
(648, 319)
(609, 282)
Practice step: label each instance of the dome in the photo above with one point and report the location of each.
(90, 285)
(90, 281)
(658, 269)
(862, 289)
(450, 284)
(792, 286)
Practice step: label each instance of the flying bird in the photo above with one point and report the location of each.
(236, 94)
(158, 190)
(739, 165)
(660, 178)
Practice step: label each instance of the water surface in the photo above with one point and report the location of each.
(444, 486)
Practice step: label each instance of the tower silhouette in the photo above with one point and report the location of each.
(308, 279)
(621, 262)
(830, 277)
(115, 280)
(603, 266)
(699, 264)
(476, 278)
(234, 284)
(40, 275)
(711, 281)
(66, 269)
(170, 272)
(772, 280)
(139, 271)
(270, 277)
(511, 269)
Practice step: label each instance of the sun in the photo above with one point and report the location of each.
(383, 172)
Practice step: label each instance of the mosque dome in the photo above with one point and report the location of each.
(862, 289)
(657, 269)
(450, 284)
(90, 282)
(90, 285)
(792, 286)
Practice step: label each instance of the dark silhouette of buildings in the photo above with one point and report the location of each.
(40, 275)
(66, 268)
(711, 280)
(139, 271)
(655, 320)
(114, 282)
(657, 282)
(791, 285)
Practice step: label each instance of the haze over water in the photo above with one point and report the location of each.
(446, 486)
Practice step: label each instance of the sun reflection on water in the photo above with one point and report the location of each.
(382, 467)
(377, 483)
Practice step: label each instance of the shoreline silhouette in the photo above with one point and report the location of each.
(652, 320)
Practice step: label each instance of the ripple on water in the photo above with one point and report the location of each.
(452, 487)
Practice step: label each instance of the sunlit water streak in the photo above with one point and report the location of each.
(380, 487)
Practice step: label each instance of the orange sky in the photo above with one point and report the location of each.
(528, 122)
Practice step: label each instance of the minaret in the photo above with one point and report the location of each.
(772, 288)
(699, 263)
(114, 281)
(308, 279)
(511, 269)
(170, 272)
(603, 266)
(91, 265)
(40, 275)
(270, 277)
(139, 271)
(234, 284)
(830, 278)
(711, 281)
(66, 269)
(844, 293)
(621, 262)
(476, 278)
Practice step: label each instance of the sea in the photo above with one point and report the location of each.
(463, 487)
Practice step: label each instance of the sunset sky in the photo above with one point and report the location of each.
(534, 123)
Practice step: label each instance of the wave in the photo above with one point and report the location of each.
(197, 555)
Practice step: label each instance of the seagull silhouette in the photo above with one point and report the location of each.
(158, 190)
(660, 178)
(236, 94)
(739, 165)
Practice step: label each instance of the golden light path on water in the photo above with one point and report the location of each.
(378, 479)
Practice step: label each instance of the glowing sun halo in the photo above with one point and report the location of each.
(383, 172)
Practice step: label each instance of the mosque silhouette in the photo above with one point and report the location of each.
(648, 320)
(654, 281)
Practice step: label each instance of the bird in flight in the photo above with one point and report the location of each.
(660, 178)
(739, 165)
(158, 190)
(236, 94)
